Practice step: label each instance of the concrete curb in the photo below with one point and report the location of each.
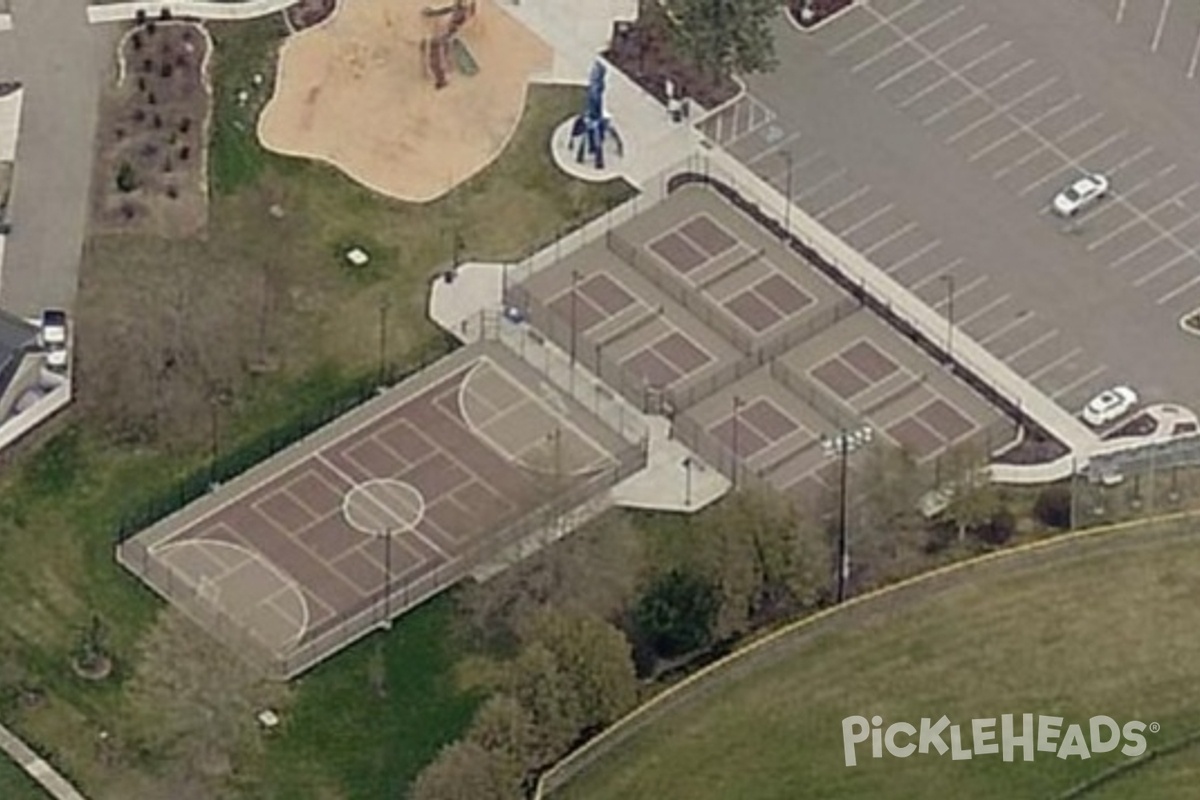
(1185, 326)
(809, 31)
(617, 728)
(123, 12)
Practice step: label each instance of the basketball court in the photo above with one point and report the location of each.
(378, 510)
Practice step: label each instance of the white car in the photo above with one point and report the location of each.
(1109, 405)
(1080, 194)
(53, 337)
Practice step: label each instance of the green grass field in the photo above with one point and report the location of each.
(16, 785)
(1102, 626)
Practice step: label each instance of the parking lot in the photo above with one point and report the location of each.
(1168, 28)
(932, 135)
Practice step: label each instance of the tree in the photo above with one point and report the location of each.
(725, 36)
(506, 730)
(595, 660)
(463, 771)
(126, 178)
(540, 687)
(974, 499)
(677, 613)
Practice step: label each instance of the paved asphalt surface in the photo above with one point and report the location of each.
(932, 135)
(62, 62)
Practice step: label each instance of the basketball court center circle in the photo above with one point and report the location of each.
(383, 506)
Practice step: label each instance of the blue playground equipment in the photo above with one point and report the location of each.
(592, 128)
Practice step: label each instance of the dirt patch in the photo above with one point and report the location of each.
(357, 93)
(308, 13)
(819, 10)
(645, 52)
(150, 165)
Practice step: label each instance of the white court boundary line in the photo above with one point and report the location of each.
(285, 579)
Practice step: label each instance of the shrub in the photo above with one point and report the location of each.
(126, 178)
(999, 529)
(676, 613)
(1053, 506)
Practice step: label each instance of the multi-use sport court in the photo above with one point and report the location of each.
(693, 310)
(382, 508)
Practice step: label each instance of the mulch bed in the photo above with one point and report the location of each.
(1141, 425)
(1038, 447)
(822, 10)
(643, 51)
(307, 13)
(150, 169)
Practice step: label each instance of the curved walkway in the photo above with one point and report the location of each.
(36, 766)
(119, 12)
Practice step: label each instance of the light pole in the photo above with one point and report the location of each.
(387, 578)
(220, 396)
(787, 201)
(737, 406)
(574, 294)
(687, 481)
(949, 281)
(384, 304)
(841, 446)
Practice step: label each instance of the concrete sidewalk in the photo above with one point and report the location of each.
(49, 778)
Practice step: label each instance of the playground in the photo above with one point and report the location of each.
(407, 97)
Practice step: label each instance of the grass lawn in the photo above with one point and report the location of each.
(15, 784)
(368, 719)
(1106, 626)
(204, 300)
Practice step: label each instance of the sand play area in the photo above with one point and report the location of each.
(355, 92)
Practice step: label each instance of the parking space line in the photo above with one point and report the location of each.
(1054, 109)
(912, 98)
(979, 59)
(751, 127)
(1138, 156)
(883, 84)
(1178, 290)
(994, 82)
(1191, 73)
(1075, 384)
(1130, 223)
(958, 294)
(1036, 343)
(840, 46)
(1009, 326)
(913, 256)
(1144, 247)
(1130, 192)
(1158, 31)
(938, 273)
(1058, 362)
(969, 65)
(1020, 162)
(1002, 109)
(816, 187)
(999, 301)
(874, 215)
(1074, 162)
(878, 54)
(1074, 129)
(1160, 269)
(772, 149)
(891, 237)
(996, 143)
(944, 110)
(845, 201)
